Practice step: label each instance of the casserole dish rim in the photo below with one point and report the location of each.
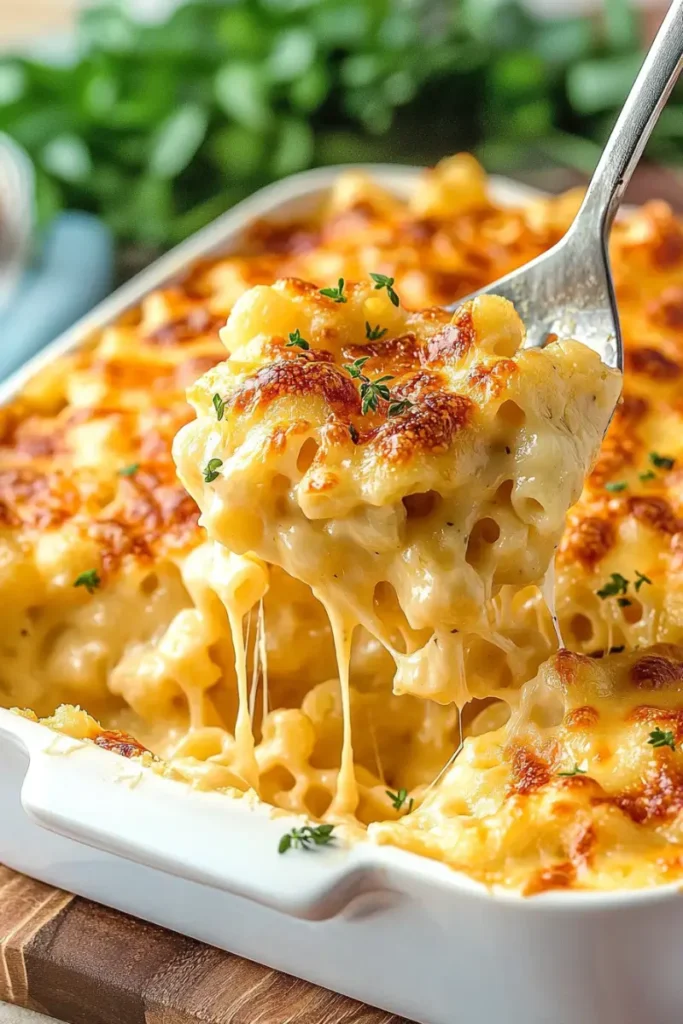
(365, 868)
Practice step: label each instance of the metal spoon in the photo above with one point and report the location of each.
(568, 290)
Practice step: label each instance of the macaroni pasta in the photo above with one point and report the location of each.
(432, 527)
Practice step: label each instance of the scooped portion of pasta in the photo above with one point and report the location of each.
(408, 467)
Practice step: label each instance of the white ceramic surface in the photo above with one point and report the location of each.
(384, 926)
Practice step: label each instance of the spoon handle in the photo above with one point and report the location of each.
(638, 117)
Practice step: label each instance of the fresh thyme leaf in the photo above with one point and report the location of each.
(619, 485)
(399, 798)
(662, 461)
(618, 585)
(296, 339)
(575, 771)
(129, 470)
(642, 578)
(382, 281)
(307, 837)
(354, 433)
(369, 399)
(374, 333)
(335, 293)
(662, 738)
(396, 408)
(623, 602)
(219, 406)
(647, 475)
(211, 470)
(90, 579)
(356, 366)
(371, 391)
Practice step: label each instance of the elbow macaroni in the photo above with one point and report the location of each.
(218, 654)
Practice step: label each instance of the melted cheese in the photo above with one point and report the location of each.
(151, 652)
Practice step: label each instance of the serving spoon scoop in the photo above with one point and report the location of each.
(568, 290)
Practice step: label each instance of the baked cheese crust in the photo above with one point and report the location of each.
(87, 485)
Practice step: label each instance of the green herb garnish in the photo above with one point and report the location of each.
(399, 798)
(575, 771)
(306, 838)
(90, 579)
(296, 339)
(129, 470)
(382, 281)
(356, 367)
(370, 390)
(335, 293)
(354, 433)
(374, 333)
(617, 585)
(662, 461)
(642, 578)
(620, 485)
(158, 126)
(662, 738)
(396, 408)
(211, 470)
(219, 406)
(647, 475)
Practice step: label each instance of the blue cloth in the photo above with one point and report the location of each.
(74, 271)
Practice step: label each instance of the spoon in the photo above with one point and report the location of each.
(568, 290)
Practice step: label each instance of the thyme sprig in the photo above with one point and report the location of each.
(295, 339)
(90, 579)
(662, 738)
(337, 294)
(399, 798)
(306, 838)
(370, 390)
(382, 281)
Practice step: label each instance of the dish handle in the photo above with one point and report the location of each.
(119, 808)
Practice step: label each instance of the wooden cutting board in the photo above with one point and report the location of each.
(86, 964)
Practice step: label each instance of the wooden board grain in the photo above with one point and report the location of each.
(86, 964)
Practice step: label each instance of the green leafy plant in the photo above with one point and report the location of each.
(159, 127)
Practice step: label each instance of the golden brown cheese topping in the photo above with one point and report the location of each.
(116, 601)
(581, 788)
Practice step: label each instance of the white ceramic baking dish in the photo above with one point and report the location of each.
(389, 928)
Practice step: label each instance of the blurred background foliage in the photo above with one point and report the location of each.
(159, 127)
